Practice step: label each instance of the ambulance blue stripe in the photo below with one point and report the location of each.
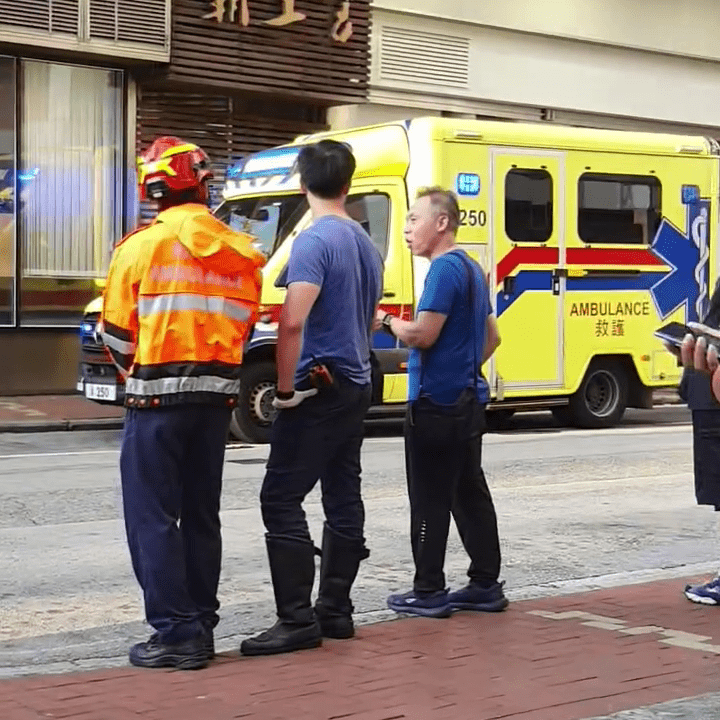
(542, 280)
(524, 281)
(639, 281)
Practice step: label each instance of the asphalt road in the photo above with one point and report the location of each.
(577, 509)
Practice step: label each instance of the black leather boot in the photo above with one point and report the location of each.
(188, 655)
(292, 568)
(341, 557)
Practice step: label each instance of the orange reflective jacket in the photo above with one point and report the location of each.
(180, 300)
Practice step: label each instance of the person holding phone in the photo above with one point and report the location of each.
(696, 389)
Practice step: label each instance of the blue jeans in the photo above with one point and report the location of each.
(171, 467)
(320, 439)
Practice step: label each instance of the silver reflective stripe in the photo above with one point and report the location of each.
(160, 304)
(170, 386)
(124, 348)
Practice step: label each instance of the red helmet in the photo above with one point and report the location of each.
(170, 165)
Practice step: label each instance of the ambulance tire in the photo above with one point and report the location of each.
(252, 418)
(601, 399)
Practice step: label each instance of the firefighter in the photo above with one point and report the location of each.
(180, 301)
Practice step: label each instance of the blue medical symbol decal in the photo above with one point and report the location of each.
(688, 256)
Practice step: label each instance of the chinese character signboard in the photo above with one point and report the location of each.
(306, 50)
(239, 11)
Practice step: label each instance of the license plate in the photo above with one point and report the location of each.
(96, 391)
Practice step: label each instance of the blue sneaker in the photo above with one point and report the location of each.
(434, 605)
(474, 597)
(707, 594)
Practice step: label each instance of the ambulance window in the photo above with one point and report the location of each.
(529, 205)
(372, 211)
(269, 219)
(622, 209)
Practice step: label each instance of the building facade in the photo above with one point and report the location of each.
(618, 64)
(86, 84)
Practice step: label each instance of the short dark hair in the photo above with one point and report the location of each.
(326, 168)
(445, 203)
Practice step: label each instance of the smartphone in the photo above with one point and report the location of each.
(674, 333)
(711, 335)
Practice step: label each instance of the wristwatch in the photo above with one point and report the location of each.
(386, 323)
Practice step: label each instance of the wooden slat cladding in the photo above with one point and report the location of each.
(297, 61)
(227, 128)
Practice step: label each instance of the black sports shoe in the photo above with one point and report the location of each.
(434, 605)
(189, 655)
(474, 597)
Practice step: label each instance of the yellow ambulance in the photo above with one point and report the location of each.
(591, 239)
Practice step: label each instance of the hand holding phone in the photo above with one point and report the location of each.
(673, 334)
(711, 335)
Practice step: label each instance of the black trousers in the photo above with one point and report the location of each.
(320, 439)
(171, 467)
(706, 456)
(443, 458)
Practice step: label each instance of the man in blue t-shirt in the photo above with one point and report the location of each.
(334, 284)
(454, 334)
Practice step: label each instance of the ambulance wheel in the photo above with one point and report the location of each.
(252, 418)
(602, 398)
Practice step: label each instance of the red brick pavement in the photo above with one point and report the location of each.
(40, 409)
(515, 665)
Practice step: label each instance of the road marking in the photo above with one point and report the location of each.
(678, 638)
(76, 453)
(58, 454)
(490, 439)
(577, 484)
(525, 435)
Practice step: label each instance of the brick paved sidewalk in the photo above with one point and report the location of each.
(561, 658)
(55, 412)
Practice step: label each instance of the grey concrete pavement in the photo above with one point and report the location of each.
(577, 509)
(704, 707)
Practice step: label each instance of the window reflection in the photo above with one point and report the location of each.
(7, 190)
(70, 185)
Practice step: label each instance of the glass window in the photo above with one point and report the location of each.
(529, 205)
(372, 211)
(270, 219)
(70, 187)
(7, 191)
(618, 208)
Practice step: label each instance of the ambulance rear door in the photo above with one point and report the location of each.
(527, 228)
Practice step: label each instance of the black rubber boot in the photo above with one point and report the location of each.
(341, 557)
(292, 568)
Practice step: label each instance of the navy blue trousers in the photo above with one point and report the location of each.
(171, 467)
(320, 439)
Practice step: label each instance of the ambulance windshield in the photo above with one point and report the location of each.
(269, 219)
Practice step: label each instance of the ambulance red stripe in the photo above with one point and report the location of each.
(619, 257)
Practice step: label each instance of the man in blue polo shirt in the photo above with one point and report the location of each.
(454, 334)
(334, 283)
